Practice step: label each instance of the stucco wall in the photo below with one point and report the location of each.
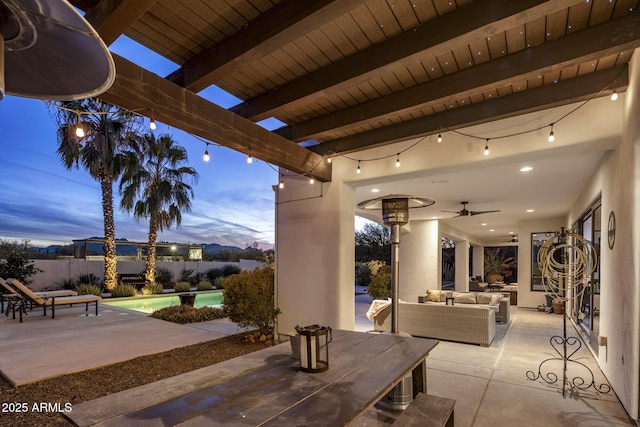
(53, 271)
(618, 180)
(420, 259)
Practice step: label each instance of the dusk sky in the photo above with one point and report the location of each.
(45, 203)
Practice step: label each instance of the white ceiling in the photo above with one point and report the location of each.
(558, 176)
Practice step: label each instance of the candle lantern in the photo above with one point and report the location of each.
(314, 347)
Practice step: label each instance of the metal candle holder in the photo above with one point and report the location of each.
(314, 347)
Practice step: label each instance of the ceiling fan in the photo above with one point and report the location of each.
(465, 212)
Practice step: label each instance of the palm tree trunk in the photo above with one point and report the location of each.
(150, 267)
(110, 258)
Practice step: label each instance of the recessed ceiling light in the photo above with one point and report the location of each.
(434, 217)
(526, 169)
(484, 224)
(375, 190)
(492, 230)
(511, 232)
(530, 210)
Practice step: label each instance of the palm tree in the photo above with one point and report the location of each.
(105, 151)
(157, 190)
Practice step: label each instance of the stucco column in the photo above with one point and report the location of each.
(478, 261)
(420, 259)
(462, 265)
(315, 254)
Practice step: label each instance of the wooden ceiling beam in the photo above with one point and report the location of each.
(548, 96)
(286, 21)
(590, 44)
(139, 90)
(477, 19)
(111, 18)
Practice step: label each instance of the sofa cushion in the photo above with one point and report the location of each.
(464, 297)
(433, 295)
(495, 300)
(444, 295)
(483, 297)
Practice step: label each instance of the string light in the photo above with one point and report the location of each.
(552, 137)
(249, 158)
(614, 95)
(398, 160)
(79, 129)
(358, 170)
(152, 124)
(486, 147)
(206, 157)
(311, 181)
(328, 159)
(439, 138)
(281, 185)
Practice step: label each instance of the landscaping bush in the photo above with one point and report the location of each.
(213, 273)
(186, 314)
(164, 276)
(380, 287)
(219, 283)
(363, 274)
(230, 269)
(16, 263)
(152, 289)
(186, 274)
(89, 279)
(196, 278)
(248, 299)
(124, 291)
(88, 289)
(66, 283)
(182, 286)
(204, 285)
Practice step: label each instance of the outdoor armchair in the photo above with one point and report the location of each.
(51, 301)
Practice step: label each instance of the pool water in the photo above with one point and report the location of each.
(149, 304)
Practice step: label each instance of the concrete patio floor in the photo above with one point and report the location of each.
(489, 384)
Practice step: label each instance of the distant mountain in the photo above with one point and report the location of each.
(131, 250)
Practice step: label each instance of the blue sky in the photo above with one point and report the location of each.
(42, 201)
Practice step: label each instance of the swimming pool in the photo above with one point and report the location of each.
(149, 304)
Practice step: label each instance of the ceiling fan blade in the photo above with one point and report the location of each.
(451, 211)
(480, 212)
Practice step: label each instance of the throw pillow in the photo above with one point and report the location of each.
(433, 295)
(464, 297)
(484, 297)
(444, 295)
(496, 299)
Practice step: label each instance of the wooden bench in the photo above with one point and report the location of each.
(136, 280)
(424, 411)
(427, 411)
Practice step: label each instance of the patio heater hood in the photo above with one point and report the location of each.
(395, 213)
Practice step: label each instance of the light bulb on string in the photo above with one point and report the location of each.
(206, 157)
(358, 170)
(311, 181)
(281, 185)
(398, 160)
(614, 95)
(439, 138)
(486, 147)
(79, 129)
(152, 124)
(328, 159)
(249, 158)
(552, 137)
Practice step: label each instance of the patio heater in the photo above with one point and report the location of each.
(49, 51)
(395, 214)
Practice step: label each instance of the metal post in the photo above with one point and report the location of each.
(395, 270)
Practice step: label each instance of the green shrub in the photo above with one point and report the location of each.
(67, 283)
(164, 276)
(213, 273)
(204, 285)
(88, 279)
(248, 299)
(230, 269)
(124, 291)
(186, 273)
(363, 274)
(196, 278)
(186, 314)
(16, 263)
(219, 283)
(88, 289)
(152, 289)
(380, 287)
(182, 286)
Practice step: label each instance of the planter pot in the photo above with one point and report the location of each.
(558, 306)
(187, 299)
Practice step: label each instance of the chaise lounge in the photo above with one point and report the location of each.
(51, 301)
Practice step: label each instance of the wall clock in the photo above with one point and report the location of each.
(611, 230)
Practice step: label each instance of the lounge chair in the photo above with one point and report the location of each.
(13, 299)
(10, 294)
(51, 301)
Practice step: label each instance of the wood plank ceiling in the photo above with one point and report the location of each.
(346, 75)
